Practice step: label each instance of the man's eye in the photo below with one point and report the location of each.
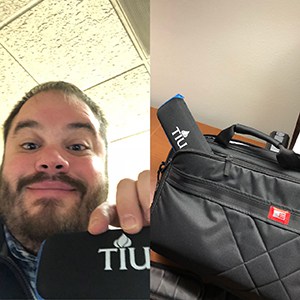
(77, 147)
(30, 146)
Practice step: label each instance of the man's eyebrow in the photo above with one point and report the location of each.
(79, 125)
(26, 124)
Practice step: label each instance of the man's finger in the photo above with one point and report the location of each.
(102, 217)
(128, 207)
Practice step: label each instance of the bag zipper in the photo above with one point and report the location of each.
(257, 168)
(236, 200)
(245, 150)
(161, 174)
(227, 165)
(161, 169)
(229, 160)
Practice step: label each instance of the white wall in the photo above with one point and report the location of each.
(235, 61)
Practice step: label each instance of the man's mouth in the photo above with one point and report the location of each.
(51, 185)
(44, 185)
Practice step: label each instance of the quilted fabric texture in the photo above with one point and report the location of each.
(215, 222)
(269, 257)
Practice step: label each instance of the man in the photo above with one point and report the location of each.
(54, 180)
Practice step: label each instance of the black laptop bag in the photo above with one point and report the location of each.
(229, 213)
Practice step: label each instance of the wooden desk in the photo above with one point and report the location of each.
(160, 148)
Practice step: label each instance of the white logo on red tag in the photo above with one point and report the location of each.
(279, 215)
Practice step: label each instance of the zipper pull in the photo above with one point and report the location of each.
(161, 170)
(227, 165)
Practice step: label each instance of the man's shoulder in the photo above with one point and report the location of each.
(14, 288)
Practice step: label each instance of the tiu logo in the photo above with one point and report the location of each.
(123, 253)
(180, 136)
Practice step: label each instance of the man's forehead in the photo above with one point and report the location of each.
(57, 106)
(54, 98)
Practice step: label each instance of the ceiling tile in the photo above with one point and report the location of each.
(81, 42)
(138, 14)
(9, 8)
(125, 101)
(14, 82)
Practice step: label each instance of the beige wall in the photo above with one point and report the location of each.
(233, 60)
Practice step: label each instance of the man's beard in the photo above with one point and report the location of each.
(32, 229)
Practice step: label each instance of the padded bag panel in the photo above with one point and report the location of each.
(219, 228)
(113, 265)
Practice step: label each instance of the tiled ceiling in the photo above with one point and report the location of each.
(94, 45)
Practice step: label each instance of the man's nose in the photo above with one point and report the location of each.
(51, 161)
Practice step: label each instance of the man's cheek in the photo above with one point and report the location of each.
(11, 180)
(16, 168)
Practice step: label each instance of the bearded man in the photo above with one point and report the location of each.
(54, 180)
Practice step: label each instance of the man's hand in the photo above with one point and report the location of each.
(132, 209)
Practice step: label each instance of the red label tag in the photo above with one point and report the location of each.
(279, 215)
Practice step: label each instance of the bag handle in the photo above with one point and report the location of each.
(287, 159)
